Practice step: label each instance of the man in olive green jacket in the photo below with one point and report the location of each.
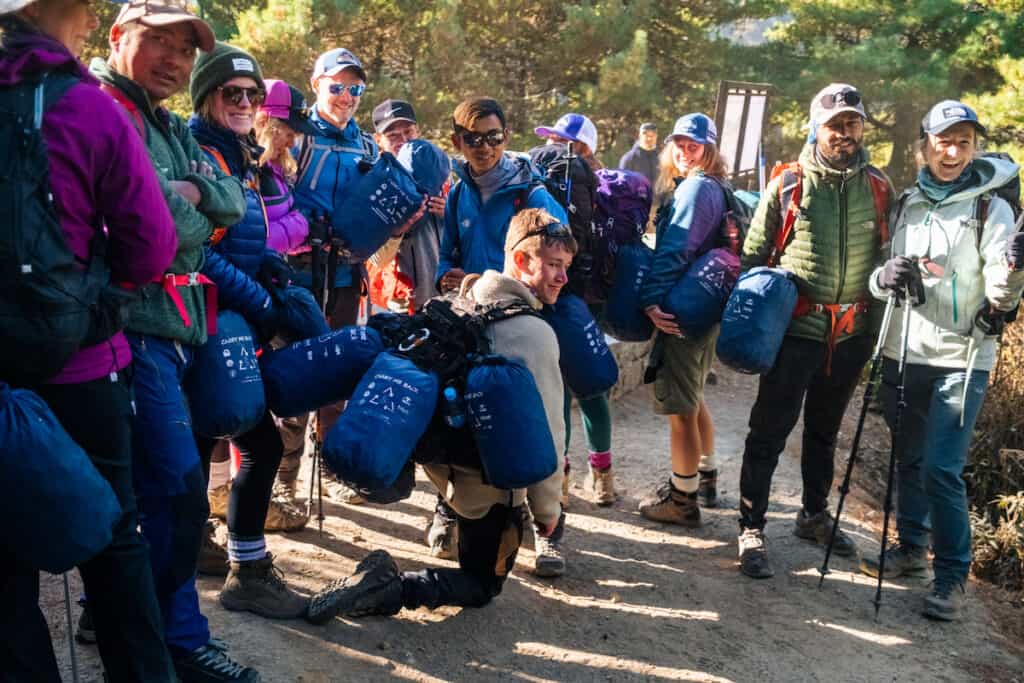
(835, 243)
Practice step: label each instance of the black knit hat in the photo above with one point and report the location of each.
(219, 66)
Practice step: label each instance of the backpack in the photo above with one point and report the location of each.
(1009, 191)
(622, 209)
(50, 303)
(739, 210)
(573, 185)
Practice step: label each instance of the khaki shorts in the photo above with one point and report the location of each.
(679, 386)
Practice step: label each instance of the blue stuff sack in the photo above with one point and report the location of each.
(699, 297)
(512, 435)
(224, 386)
(316, 372)
(756, 318)
(373, 439)
(587, 364)
(623, 316)
(61, 512)
(383, 198)
(300, 317)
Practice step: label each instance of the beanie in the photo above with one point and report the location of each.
(218, 66)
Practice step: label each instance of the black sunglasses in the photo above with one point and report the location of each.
(558, 231)
(234, 93)
(494, 138)
(845, 98)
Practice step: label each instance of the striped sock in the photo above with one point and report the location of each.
(246, 548)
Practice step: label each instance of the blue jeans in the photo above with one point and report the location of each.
(170, 486)
(931, 450)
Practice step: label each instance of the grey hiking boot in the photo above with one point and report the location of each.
(944, 601)
(210, 664)
(901, 560)
(258, 586)
(340, 492)
(375, 588)
(601, 485)
(669, 504)
(443, 532)
(707, 491)
(213, 557)
(549, 561)
(754, 555)
(818, 528)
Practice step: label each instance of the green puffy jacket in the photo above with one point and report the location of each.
(172, 149)
(834, 246)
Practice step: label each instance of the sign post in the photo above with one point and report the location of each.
(740, 113)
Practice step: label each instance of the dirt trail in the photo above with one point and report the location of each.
(640, 601)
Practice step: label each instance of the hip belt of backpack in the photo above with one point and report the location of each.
(841, 316)
(171, 282)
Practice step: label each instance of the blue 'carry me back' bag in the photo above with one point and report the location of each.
(756, 318)
(699, 297)
(587, 364)
(623, 317)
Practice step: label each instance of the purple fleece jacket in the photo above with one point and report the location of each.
(287, 228)
(100, 175)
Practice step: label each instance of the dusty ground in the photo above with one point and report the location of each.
(640, 601)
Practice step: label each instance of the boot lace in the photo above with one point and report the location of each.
(214, 656)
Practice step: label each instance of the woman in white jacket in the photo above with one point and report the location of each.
(953, 243)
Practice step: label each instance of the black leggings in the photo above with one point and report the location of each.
(261, 450)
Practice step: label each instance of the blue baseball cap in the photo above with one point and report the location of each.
(949, 113)
(697, 127)
(575, 127)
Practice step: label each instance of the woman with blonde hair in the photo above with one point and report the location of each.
(689, 180)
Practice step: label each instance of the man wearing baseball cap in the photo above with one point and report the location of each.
(837, 231)
(153, 48)
(643, 157)
(394, 123)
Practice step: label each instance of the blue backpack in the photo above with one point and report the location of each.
(587, 364)
(756, 318)
(699, 297)
(62, 512)
(623, 317)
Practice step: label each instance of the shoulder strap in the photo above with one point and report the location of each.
(305, 153)
(133, 111)
(523, 198)
(981, 209)
(880, 192)
(218, 157)
(790, 193)
(498, 312)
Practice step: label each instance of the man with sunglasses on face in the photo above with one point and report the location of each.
(837, 231)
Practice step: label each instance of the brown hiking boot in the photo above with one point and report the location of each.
(218, 498)
(601, 485)
(283, 514)
(213, 557)
(707, 489)
(258, 586)
(671, 505)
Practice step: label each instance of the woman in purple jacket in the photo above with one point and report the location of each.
(103, 183)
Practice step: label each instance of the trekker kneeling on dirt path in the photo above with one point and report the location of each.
(538, 251)
(835, 242)
(953, 239)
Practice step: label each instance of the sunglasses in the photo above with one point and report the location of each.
(845, 98)
(235, 93)
(356, 90)
(558, 231)
(494, 138)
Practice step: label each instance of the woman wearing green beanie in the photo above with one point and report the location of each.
(227, 88)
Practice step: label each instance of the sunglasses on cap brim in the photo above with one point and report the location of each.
(845, 98)
(559, 231)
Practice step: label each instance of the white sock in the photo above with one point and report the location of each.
(220, 474)
(687, 483)
(708, 462)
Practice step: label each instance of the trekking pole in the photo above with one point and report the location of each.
(569, 156)
(320, 292)
(71, 627)
(869, 394)
(896, 431)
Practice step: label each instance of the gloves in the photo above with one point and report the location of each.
(899, 274)
(989, 321)
(275, 273)
(1015, 251)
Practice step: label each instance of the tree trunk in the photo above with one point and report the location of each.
(902, 168)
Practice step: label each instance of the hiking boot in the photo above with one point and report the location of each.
(754, 555)
(258, 586)
(901, 560)
(565, 487)
(85, 633)
(707, 489)
(213, 557)
(944, 601)
(601, 486)
(340, 492)
(218, 498)
(549, 561)
(443, 532)
(283, 514)
(818, 528)
(671, 505)
(375, 588)
(210, 664)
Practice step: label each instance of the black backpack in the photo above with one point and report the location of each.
(1010, 191)
(576, 192)
(49, 301)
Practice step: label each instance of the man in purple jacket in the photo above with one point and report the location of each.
(101, 178)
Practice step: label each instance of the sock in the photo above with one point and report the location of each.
(707, 463)
(601, 461)
(220, 474)
(246, 548)
(687, 483)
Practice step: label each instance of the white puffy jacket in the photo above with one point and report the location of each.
(974, 265)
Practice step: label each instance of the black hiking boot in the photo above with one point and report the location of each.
(549, 561)
(707, 491)
(210, 664)
(818, 528)
(944, 601)
(375, 588)
(754, 555)
(901, 560)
